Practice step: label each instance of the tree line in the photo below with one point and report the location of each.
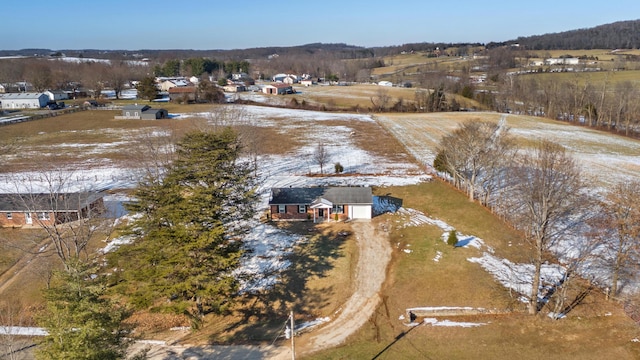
(542, 193)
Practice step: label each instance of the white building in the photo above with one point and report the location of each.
(29, 100)
(562, 61)
(56, 95)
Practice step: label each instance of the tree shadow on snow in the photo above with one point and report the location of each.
(264, 313)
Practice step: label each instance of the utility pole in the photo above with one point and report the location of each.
(293, 345)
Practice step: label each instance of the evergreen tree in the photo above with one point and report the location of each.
(147, 88)
(81, 322)
(188, 235)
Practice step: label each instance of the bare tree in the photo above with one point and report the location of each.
(475, 154)
(545, 193)
(381, 100)
(321, 156)
(12, 343)
(620, 230)
(69, 217)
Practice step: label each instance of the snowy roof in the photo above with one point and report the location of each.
(336, 195)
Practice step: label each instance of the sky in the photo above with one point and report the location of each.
(240, 24)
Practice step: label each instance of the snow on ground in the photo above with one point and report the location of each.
(267, 247)
(519, 277)
(267, 250)
(69, 180)
(22, 331)
(449, 323)
(300, 328)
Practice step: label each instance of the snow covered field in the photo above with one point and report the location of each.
(604, 157)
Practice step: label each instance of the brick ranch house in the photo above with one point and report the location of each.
(34, 210)
(321, 203)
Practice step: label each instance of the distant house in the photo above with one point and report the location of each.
(290, 79)
(165, 85)
(278, 89)
(142, 112)
(234, 87)
(31, 210)
(56, 95)
(29, 100)
(183, 94)
(278, 77)
(307, 82)
(562, 61)
(3, 88)
(321, 203)
(238, 76)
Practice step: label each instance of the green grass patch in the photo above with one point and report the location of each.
(417, 280)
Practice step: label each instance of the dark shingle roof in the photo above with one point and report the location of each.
(47, 202)
(136, 107)
(336, 195)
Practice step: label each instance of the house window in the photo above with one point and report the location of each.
(338, 209)
(282, 209)
(9, 216)
(302, 209)
(43, 216)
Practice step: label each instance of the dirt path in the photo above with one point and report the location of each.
(374, 254)
(10, 275)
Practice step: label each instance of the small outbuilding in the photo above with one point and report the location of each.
(142, 112)
(278, 89)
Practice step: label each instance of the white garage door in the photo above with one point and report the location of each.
(360, 211)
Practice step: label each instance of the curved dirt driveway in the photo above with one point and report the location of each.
(374, 254)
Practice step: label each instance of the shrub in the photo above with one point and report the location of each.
(453, 238)
(339, 168)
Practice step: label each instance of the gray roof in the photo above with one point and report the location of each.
(26, 95)
(136, 107)
(336, 195)
(47, 202)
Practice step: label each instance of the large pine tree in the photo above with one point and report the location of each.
(81, 322)
(187, 237)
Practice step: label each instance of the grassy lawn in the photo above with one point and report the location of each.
(417, 280)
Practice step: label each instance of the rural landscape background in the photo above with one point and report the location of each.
(451, 137)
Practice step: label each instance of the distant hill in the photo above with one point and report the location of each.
(617, 35)
(339, 50)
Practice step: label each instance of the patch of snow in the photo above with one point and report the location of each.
(116, 243)
(442, 308)
(305, 326)
(448, 323)
(519, 277)
(438, 256)
(23, 331)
